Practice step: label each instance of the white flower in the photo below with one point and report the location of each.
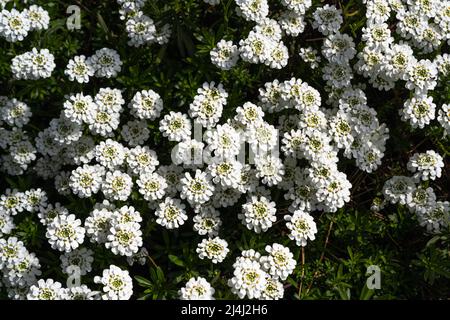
(399, 58)
(224, 140)
(11, 250)
(124, 215)
(436, 220)
(64, 131)
(38, 17)
(309, 55)
(97, 225)
(270, 28)
(197, 289)
(176, 126)
(278, 56)
(65, 233)
(33, 65)
(225, 172)
(249, 280)
(79, 293)
(397, 188)
(141, 30)
(23, 271)
(207, 222)
(444, 118)
(117, 284)
(421, 76)
(106, 62)
(327, 19)
(339, 48)
(81, 258)
(337, 75)
(225, 55)
(86, 180)
(14, 25)
(442, 62)
(82, 151)
(34, 199)
(124, 239)
(135, 132)
(335, 192)
(45, 290)
(141, 159)
(256, 48)
(171, 213)
(279, 263)
(421, 200)
(197, 189)
(249, 114)
(117, 186)
(301, 226)
(206, 110)
(79, 69)
(215, 249)
(419, 111)
(377, 36)
(12, 202)
(292, 23)
(273, 290)
(103, 122)
(146, 104)
(15, 113)
(299, 6)
(270, 169)
(79, 108)
(110, 154)
(252, 10)
(258, 214)
(50, 212)
(428, 165)
(109, 100)
(6, 224)
(152, 186)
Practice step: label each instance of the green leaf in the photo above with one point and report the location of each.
(176, 260)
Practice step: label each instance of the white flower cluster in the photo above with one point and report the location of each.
(263, 44)
(423, 27)
(418, 197)
(259, 276)
(141, 29)
(33, 65)
(15, 25)
(105, 63)
(21, 269)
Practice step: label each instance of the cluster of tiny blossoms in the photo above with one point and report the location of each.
(105, 63)
(416, 194)
(21, 269)
(264, 42)
(141, 29)
(15, 25)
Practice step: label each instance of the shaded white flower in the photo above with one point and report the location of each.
(214, 249)
(171, 213)
(117, 284)
(197, 289)
(258, 214)
(302, 227)
(65, 233)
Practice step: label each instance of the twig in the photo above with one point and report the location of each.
(303, 272)
(322, 256)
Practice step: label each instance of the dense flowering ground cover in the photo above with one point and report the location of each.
(224, 149)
